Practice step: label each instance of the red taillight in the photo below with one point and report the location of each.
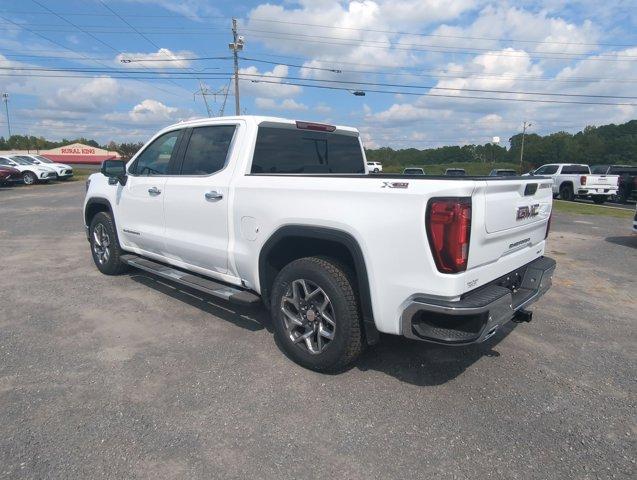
(448, 225)
(319, 127)
(582, 180)
(548, 226)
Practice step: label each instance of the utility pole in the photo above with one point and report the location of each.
(526, 124)
(5, 98)
(236, 46)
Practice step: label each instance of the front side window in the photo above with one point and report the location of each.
(42, 159)
(22, 161)
(287, 150)
(547, 170)
(207, 150)
(8, 163)
(154, 160)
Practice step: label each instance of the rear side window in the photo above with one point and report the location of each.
(575, 169)
(285, 150)
(155, 158)
(207, 150)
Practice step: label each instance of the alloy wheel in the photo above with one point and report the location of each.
(308, 316)
(101, 244)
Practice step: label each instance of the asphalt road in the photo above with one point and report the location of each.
(129, 377)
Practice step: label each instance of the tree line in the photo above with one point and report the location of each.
(607, 144)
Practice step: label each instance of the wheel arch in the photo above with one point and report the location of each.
(94, 206)
(297, 241)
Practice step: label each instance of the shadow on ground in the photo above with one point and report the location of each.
(624, 241)
(410, 361)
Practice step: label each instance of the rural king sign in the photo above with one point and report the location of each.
(77, 151)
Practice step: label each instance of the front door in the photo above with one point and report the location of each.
(141, 200)
(196, 199)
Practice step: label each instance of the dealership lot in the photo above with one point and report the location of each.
(113, 377)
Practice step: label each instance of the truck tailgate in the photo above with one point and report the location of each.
(515, 203)
(601, 181)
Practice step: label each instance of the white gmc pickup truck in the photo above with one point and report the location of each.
(255, 209)
(574, 180)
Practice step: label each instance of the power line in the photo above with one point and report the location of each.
(336, 27)
(455, 97)
(70, 49)
(359, 83)
(37, 2)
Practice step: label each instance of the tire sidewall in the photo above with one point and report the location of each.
(30, 175)
(566, 193)
(333, 353)
(113, 266)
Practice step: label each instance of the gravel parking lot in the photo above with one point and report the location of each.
(130, 377)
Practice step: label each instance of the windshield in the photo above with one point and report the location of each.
(22, 160)
(42, 159)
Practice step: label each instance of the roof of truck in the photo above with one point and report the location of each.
(257, 119)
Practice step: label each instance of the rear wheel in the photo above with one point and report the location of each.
(315, 312)
(566, 193)
(599, 199)
(29, 178)
(105, 245)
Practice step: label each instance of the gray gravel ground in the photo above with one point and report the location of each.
(129, 377)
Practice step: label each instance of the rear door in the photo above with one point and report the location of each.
(196, 199)
(140, 203)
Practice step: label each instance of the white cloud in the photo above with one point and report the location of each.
(163, 58)
(287, 104)
(190, 8)
(91, 95)
(273, 89)
(147, 112)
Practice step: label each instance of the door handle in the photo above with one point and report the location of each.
(154, 191)
(213, 195)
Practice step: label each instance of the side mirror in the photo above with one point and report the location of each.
(115, 170)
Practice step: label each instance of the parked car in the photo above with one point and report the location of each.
(413, 171)
(253, 209)
(635, 221)
(9, 175)
(374, 167)
(572, 181)
(63, 171)
(627, 183)
(455, 172)
(31, 173)
(502, 172)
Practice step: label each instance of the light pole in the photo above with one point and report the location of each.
(5, 98)
(526, 124)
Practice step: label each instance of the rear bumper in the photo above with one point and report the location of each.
(597, 191)
(478, 314)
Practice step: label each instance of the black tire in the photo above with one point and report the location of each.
(29, 178)
(566, 193)
(113, 264)
(599, 199)
(376, 170)
(347, 342)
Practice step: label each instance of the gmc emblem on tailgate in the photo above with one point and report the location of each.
(528, 211)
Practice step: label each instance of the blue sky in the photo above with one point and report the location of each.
(543, 62)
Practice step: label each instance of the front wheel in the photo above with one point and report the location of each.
(105, 245)
(29, 178)
(315, 313)
(599, 199)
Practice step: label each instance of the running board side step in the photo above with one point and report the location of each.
(217, 289)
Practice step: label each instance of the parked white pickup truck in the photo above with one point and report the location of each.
(573, 180)
(265, 209)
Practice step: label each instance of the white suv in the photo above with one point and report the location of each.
(31, 173)
(63, 171)
(374, 167)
